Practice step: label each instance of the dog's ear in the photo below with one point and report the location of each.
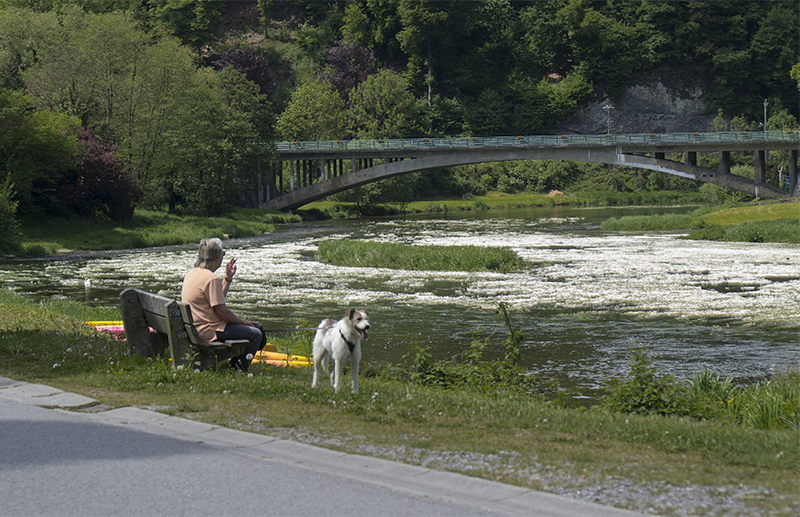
(350, 313)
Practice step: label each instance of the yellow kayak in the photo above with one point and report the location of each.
(278, 359)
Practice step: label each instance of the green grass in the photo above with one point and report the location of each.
(490, 201)
(766, 222)
(532, 440)
(427, 258)
(147, 229)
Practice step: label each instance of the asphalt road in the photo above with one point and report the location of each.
(57, 460)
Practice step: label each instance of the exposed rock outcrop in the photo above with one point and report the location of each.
(647, 106)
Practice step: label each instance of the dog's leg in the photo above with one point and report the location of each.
(336, 376)
(320, 360)
(355, 375)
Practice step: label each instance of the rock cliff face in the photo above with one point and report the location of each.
(648, 106)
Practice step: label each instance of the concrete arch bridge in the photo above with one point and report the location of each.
(318, 169)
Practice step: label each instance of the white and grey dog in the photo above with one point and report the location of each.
(340, 340)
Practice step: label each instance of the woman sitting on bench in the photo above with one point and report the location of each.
(205, 293)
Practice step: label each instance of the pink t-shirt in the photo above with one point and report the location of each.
(202, 290)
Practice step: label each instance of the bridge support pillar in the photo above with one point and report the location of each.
(291, 175)
(691, 158)
(725, 162)
(793, 171)
(760, 167)
(659, 156)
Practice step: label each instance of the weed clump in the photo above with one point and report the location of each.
(770, 404)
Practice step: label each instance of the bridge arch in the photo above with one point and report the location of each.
(399, 160)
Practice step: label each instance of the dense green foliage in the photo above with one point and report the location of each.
(424, 258)
(771, 404)
(189, 99)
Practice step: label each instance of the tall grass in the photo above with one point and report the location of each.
(425, 258)
(146, 229)
(770, 404)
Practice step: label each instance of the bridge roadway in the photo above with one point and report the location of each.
(316, 170)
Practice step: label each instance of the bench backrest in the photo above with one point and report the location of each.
(170, 318)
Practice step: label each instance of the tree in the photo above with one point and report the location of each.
(22, 36)
(193, 21)
(382, 107)
(315, 112)
(488, 114)
(9, 226)
(348, 64)
(265, 13)
(97, 185)
(31, 144)
(192, 143)
(254, 66)
(432, 33)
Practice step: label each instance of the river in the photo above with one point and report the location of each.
(731, 307)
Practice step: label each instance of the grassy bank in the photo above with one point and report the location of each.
(501, 201)
(152, 229)
(498, 426)
(146, 229)
(427, 258)
(766, 222)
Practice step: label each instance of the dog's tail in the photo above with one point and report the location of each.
(325, 325)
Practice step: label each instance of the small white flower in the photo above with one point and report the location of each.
(249, 357)
(196, 370)
(249, 375)
(69, 350)
(180, 367)
(55, 365)
(226, 392)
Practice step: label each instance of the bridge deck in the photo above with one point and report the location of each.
(645, 142)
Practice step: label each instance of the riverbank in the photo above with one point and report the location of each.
(762, 222)
(152, 229)
(665, 465)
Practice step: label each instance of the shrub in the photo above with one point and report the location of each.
(644, 391)
(9, 226)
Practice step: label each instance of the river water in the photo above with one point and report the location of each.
(731, 307)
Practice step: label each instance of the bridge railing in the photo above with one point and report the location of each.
(543, 141)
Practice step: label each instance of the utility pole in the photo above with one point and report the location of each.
(607, 107)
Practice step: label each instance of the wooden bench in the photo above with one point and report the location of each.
(174, 330)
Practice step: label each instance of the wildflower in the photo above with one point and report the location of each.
(249, 357)
(249, 375)
(55, 365)
(180, 367)
(226, 392)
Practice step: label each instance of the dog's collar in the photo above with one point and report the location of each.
(349, 343)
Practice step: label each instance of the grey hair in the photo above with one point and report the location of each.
(210, 251)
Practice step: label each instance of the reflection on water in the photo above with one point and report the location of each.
(732, 307)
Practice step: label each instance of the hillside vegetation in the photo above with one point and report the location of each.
(108, 106)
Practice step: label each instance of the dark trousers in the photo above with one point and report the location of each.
(255, 335)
